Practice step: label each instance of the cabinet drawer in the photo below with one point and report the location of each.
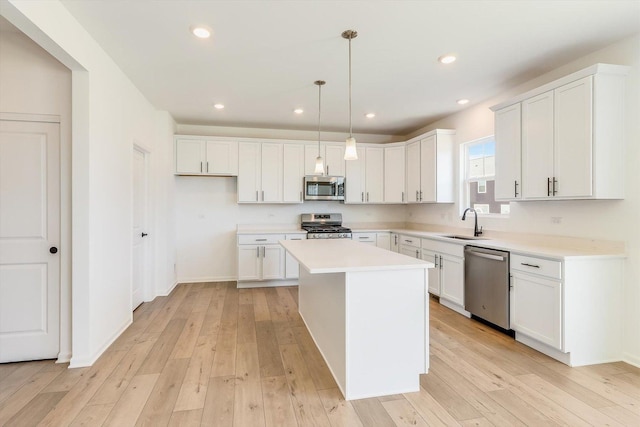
(297, 236)
(540, 266)
(259, 239)
(443, 248)
(364, 237)
(409, 241)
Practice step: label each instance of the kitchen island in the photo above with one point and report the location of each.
(367, 310)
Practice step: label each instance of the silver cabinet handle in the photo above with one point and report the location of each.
(301, 196)
(257, 251)
(395, 239)
(200, 167)
(261, 240)
(555, 182)
(435, 260)
(362, 237)
(257, 195)
(548, 186)
(263, 195)
(487, 256)
(264, 251)
(529, 265)
(515, 189)
(417, 197)
(420, 195)
(403, 196)
(367, 196)
(417, 253)
(327, 169)
(207, 167)
(408, 241)
(362, 196)
(440, 262)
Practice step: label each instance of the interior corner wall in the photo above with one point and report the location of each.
(597, 219)
(109, 116)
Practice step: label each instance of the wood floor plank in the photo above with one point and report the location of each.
(92, 415)
(193, 391)
(268, 350)
(169, 308)
(289, 305)
(277, 311)
(246, 324)
(8, 368)
(75, 399)
(284, 333)
(119, 379)
(520, 408)
(204, 298)
(186, 306)
(306, 402)
(218, 407)
(318, 369)
(622, 415)
(190, 418)
(372, 413)
(224, 360)
(339, 411)
(260, 306)
(248, 404)
(162, 348)
(162, 399)
(37, 409)
(128, 409)
(477, 422)
(213, 316)
(630, 377)
(187, 340)
(35, 384)
(245, 296)
(453, 402)
(19, 377)
(403, 414)
(66, 380)
(278, 409)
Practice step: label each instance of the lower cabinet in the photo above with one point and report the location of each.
(383, 240)
(367, 238)
(291, 266)
(446, 280)
(395, 242)
(260, 257)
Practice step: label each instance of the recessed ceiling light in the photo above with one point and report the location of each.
(201, 32)
(462, 101)
(298, 111)
(370, 115)
(447, 59)
(218, 106)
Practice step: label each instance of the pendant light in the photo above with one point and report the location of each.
(350, 152)
(319, 163)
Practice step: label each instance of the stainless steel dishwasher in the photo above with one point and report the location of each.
(486, 284)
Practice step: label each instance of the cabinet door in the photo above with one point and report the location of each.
(249, 261)
(536, 308)
(395, 242)
(413, 172)
(537, 146)
(249, 172)
(310, 155)
(428, 169)
(291, 266)
(444, 167)
(508, 184)
(383, 240)
(573, 139)
(271, 168)
(189, 156)
(394, 176)
(355, 178)
(452, 279)
(272, 262)
(293, 172)
(221, 158)
(410, 251)
(374, 174)
(433, 273)
(334, 162)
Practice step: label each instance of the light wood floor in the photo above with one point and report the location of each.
(213, 355)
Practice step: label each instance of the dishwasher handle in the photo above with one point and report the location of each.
(487, 256)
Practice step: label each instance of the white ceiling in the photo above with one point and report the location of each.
(265, 55)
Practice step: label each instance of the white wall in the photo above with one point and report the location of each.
(34, 82)
(607, 220)
(207, 215)
(109, 116)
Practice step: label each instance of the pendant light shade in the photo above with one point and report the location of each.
(319, 163)
(350, 152)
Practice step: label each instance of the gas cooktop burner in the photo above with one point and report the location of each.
(324, 226)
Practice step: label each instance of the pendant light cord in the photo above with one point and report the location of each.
(319, 114)
(350, 127)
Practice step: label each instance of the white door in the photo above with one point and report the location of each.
(334, 159)
(249, 174)
(394, 175)
(537, 146)
(249, 260)
(272, 262)
(221, 158)
(355, 178)
(428, 169)
(29, 240)
(189, 155)
(374, 174)
(292, 172)
(452, 279)
(433, 273)
(271, 172)
(140, 231)
(508, 155)
(413, 172)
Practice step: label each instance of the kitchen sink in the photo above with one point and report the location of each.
(461, 237)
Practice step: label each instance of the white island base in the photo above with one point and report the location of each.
(370, 322)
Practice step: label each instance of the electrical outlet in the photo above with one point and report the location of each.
(556, 219)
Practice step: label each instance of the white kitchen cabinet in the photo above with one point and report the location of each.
(394, 174)
(260, 173)
(383, 240)
(430, 168)
(508, 137)
(571, 137)
(293, 173)
(201, 156)
(260, 257)
(332, 154)
(448, 276)
(409, 246)
(409, 251)
(364, 176)
(292, 267)
(395, 242)
(366, 238)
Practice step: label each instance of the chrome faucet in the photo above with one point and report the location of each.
(476, 232)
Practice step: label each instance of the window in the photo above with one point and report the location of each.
(478, 189)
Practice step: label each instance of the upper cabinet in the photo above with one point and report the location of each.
(394, 174)
(332, 154)
(569, 134)
(205, 156)
(430, 168)
(364, 178)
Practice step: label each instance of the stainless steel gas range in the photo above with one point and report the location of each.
(324, 226)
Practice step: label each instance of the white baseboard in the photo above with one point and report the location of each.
(207, 279)
(167, 292)
(631, 359)
(454, 307)
(77, 362)
(267, 283)
(64, 357)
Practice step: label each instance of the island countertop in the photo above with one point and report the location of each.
(344, 255)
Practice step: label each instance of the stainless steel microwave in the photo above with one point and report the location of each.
(318, 187)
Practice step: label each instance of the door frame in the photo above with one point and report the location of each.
(147, 256)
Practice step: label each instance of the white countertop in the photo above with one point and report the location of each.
(343, 256)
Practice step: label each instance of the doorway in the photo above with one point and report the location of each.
(140, 226)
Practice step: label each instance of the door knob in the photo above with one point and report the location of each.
(53, 250)
(144, 234)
